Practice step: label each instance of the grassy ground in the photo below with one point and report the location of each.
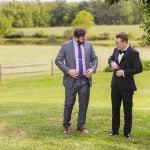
(31, 110)
(12, 55)
(31, 106)
(133, 30)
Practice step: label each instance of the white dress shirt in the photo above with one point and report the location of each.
(120, 56)
(75, 43)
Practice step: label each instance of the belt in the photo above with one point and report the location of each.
(83, 77)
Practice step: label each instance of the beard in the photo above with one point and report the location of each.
(80, 42)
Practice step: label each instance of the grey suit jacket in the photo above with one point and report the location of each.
(65, 60)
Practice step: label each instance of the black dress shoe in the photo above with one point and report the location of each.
(128, 136)
(112, 133)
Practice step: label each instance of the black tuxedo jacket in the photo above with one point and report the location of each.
(131, 64)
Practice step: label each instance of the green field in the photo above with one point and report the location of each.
(14, 55)
(31, 106)
(100, 35)
(134, 30)
(31, 112)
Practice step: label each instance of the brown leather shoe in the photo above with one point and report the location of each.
(67, 130)
(82, 130)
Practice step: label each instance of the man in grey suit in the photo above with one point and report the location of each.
(78, 61)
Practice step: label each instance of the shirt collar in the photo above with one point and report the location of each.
(75, 42)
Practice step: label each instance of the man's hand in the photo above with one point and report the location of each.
(120, 73)
(89, 73)
(114, 65)
(73, 73)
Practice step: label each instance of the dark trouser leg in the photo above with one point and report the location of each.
(116, 103)
(127, 105)
(70, 97)
(83, 93)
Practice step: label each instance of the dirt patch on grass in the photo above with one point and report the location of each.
(2, 128)
(20, 133)
(6, 130)
(57, 120)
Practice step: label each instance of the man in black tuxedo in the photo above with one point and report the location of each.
(125, 62)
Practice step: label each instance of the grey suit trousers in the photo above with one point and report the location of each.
(82, 88)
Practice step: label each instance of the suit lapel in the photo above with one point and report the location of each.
(85, 48)
(116, 56)
(73, 52)
(125, 55)
(86, 53)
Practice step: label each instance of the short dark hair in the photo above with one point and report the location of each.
(123, 36)
(78, 32)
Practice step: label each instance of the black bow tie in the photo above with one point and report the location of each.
(120, 52)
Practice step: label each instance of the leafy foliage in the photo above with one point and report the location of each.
(83, 19)
(146, 23)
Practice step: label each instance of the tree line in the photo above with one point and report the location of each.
(146, 19)
(60, 13)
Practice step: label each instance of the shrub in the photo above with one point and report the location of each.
(131, 35)
(146, 65)
(18, 34)
(39, 34)
(145, 39)
(108, 69)
(104, 36)
(93, 37)
(52, 38)
(5, 26)
(68, 34)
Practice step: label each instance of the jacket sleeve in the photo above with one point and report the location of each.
(59, 61)
(94, 59)
(136, 63)
(111, 58)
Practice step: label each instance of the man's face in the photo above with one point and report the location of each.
(82, 39)
(119, 43)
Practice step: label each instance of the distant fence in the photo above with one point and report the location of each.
(24, 71)
(14, 69)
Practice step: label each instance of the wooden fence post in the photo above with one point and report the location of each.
(52, 68)
(0, 72)
(99, 65)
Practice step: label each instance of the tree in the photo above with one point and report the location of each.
(70, 14)
(5, 26)
(57, 13)
(40, 15)
(124, 12)
(83, 19)
(100, 11)
(116, 1)
(146, 23)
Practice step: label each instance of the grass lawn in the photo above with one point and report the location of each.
(133, 30)
(31, 111)
(15, 55)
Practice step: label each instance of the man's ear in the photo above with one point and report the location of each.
(76, 38)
